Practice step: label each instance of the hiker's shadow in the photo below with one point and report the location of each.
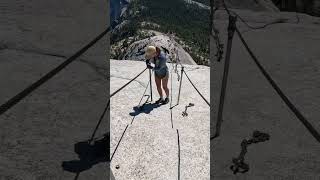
(145, 108)
(89, 155)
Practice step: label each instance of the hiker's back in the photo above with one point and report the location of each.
(160, 61)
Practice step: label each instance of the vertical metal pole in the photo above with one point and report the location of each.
(177, 59)
(231, 30)
(150, 84)
(182, 69)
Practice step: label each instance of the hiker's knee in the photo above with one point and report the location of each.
(165, 87)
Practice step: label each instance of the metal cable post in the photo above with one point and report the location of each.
(231, 30)
(150, 84)
(182, 69)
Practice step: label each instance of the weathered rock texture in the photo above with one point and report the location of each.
(136, 49)
(311, 7)
(149, 146)
(39, 133)
(290, 53)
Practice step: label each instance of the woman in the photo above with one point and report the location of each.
(161, 71)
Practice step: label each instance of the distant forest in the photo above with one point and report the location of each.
(189, 22)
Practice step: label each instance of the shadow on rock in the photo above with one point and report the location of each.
(145, 108)
(89, 155)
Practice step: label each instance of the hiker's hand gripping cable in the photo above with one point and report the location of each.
(154, 68)
(148, 64)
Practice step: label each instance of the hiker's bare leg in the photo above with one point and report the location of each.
(158, 83)
(165, 85)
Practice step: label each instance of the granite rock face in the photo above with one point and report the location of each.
(136, 49)
(289, 52)
(39, 133)
(144, 144)
(311, 7)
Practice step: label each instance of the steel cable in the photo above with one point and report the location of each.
(17, 98)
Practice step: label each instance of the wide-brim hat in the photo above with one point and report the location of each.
(150, 52)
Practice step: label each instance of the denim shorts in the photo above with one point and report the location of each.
(162, 74)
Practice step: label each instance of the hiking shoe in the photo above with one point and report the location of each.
(160, 100)
(165, 101)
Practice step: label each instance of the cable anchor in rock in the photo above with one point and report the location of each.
(239, 166)
(184, 113)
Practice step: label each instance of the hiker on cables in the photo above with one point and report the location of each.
(161, 72)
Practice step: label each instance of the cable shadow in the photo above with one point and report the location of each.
(145, 108)
(174, 106)
(89, 155)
